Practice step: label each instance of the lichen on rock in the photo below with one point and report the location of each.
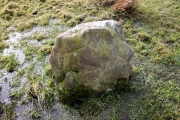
(92, 57)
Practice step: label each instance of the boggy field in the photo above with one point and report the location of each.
(27, 33)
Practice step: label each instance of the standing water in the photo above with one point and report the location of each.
(18, 43)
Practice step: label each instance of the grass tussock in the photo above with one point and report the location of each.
(3, 61)
(7, 112)
(2, 46)
(45, 50)
(40, 90)
(8, 62)
(12, 9)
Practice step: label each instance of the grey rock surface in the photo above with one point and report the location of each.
(92, 55)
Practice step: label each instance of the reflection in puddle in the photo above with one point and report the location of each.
(20, 56)
(21, 112)
(5, 82)
(5, 93)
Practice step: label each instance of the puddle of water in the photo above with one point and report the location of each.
(21, 112)
(14, 45)
(15, 48)
(58, 112)
(5, 81)
(34, 43)
(4, 93)
(19, 55)
(54, 21)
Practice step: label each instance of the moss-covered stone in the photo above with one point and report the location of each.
(91, 56)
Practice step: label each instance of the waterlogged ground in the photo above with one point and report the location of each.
(17, 48)
(13, 83)
(27, 88)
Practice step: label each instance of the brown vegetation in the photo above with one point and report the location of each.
(121, 7)
(128, 7)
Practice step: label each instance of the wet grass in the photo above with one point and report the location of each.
(2, 46)
(155, 85)
(7, 112)
(159, 97)
(39, 36)
(150, 95)
(160, 26)
(24, 15)
(8, 62)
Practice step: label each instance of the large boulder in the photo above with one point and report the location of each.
(90, 58)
